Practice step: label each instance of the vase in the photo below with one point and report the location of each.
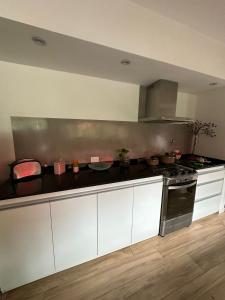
(194, 143)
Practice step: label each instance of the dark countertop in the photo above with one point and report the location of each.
(189, 160)
(48, 182)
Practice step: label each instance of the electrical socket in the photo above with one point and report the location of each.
(94, 159)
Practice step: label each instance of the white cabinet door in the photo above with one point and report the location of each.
(74, 225)
(26, 250)
(146, 211)
(114, 220)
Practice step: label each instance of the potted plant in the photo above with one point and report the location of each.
(201, 128)
(122, 155)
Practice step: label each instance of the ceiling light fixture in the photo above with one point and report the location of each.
(213, 83)
(38, 41)
(125, 62)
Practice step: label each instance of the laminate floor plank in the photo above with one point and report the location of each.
(199, 286)
(187, 264)
(215, 293)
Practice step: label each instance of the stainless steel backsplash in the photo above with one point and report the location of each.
(49, 139)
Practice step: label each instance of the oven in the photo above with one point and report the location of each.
(177, 205)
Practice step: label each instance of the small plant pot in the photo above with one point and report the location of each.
(125, 163)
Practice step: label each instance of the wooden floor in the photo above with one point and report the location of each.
(188, 264)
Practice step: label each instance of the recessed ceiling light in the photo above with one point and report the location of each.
(125, 62)
(213, 83)
(39, 41)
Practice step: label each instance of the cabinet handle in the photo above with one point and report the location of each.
(179, 187)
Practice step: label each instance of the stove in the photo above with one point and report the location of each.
(178, 197)
(175, 174)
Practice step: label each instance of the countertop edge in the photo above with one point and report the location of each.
(210, 169)
(66, 194)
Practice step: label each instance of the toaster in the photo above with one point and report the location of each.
(24, 168)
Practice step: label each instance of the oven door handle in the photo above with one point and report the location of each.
(179, 187)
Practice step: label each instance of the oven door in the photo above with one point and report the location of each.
(178, 200)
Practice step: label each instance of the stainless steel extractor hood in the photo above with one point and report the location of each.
(157, 103)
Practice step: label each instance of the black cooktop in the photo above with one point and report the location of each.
(194, 162)
(174, 170)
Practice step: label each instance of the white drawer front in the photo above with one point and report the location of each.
(206, 207)
(212, 176)
(208, 190)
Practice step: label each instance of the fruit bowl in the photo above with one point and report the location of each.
(100, 166)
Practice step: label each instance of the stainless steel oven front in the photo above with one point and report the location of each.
(177, 206)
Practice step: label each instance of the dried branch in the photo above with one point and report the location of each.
(203, 128)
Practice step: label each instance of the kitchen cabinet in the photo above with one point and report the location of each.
(209, 189)
(213, 174)
(26, 250)
(146, 211)
(114, 219)
(74, 225)
(206, 207)
(209, 192)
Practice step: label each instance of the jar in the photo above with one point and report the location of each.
(76, 166)
(178, 154)
(59, 167)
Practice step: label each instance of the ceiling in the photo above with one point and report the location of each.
(205, 16)
(73, 55)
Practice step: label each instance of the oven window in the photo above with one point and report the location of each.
(180, 201)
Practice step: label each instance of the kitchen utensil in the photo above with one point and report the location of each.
(153, 161)
(168, 158)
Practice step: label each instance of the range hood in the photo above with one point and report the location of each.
(157, 103)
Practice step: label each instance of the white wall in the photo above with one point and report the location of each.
(35, 92)
(211, 108)
(123, 25)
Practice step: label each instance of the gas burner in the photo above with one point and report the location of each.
(174, 174)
